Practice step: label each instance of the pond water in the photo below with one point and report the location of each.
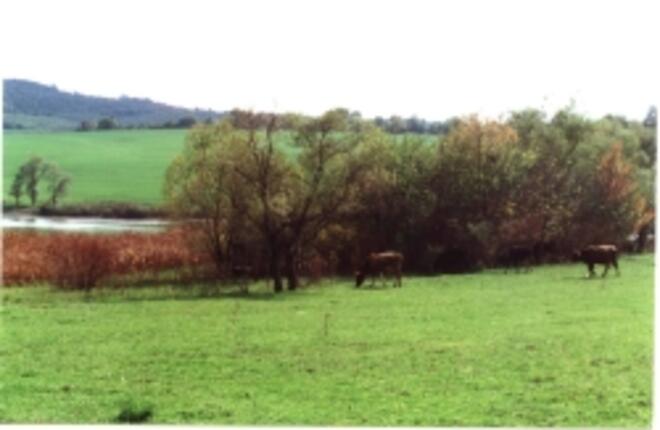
(82, 225)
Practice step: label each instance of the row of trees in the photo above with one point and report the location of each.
(9, 125)
(344, 187)
(397, 125)
(31, 174)
(103, 124)
(245, 119)
(112, 124)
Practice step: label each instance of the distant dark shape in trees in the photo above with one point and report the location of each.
(186, 122)
(517, 257)
(546, 251)
(241, 271)
(7, 125)
(379, 264)
(86, 126)
(455, 260)
(107, 124)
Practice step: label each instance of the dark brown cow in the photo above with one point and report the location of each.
(516, 257)
(598, 254)
(379, 264)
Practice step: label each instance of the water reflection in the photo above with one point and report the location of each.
(82, 225)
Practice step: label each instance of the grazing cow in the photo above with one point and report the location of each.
(598, 254)
(378, 264)
(516, 257)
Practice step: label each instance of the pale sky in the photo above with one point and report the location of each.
(433, 59)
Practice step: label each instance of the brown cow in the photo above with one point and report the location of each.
(598, 254)
(379, 264)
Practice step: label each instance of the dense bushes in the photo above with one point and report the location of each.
(452, 204)
(80, 261)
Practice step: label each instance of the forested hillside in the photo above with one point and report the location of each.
(30, 105)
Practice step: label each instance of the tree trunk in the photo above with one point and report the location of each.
(275, 270)
(215, 248)
(277, 284)
(291, 273)
(641, 238)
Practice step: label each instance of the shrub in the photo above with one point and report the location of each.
(79, 261)
(133, 412)
(24, 258)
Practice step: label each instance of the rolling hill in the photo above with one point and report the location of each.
(34, 106)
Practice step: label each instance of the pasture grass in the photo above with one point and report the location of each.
(118, 165)
(544, 348)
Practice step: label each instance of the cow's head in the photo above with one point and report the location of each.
(359, 278)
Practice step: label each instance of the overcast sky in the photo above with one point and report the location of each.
(433, 59)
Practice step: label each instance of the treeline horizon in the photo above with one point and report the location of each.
(245, 119)
(451, 205)
(395, 124)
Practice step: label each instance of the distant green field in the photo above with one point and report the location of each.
(546, 348)
(123, 165)
(126, 165)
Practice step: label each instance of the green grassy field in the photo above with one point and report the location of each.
(124, 165)
(545, 348)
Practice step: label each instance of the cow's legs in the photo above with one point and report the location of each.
(607, 267)
(616, 266)
(591, 270)
(397, 277)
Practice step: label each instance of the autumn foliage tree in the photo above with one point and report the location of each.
(612, 206)
(563, 160)
(202, 183)
(480, 166)
(240, 184)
